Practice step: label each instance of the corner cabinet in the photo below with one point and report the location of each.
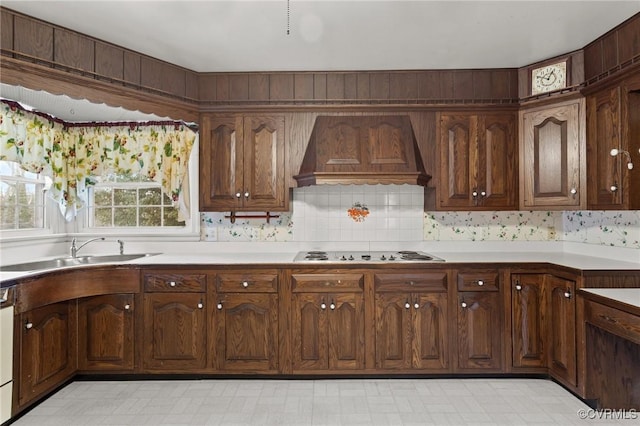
(242, 163)
(478, 162)
(553, 157)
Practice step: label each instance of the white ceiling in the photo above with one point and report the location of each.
(219, 36)
(339, 35)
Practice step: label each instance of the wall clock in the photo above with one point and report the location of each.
(549, 78)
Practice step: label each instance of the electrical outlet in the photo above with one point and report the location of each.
(551, 233)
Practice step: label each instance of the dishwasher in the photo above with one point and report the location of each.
(6, 353)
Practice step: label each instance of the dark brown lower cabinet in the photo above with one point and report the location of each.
(529, 319)
(47, 356)
(106, 333)
(480, 331)
(411, 330)
(175, 334)
(247, 332)
(562, 329)
(328, 331)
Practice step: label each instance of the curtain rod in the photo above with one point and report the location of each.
(130, 124)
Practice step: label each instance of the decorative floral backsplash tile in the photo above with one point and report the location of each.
(215, 227)
(492, 226)
(320, 213)
(609, 228)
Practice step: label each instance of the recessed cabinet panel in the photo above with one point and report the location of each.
(430, 348)
(552, 168)
(346, 148)
(479, 341)
(529, 316)
(386, 145)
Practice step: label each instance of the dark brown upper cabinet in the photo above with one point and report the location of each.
(242, 159)
(478, 162)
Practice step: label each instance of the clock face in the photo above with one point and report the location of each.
(549, 78)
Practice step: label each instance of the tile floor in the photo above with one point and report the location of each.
(313, 402)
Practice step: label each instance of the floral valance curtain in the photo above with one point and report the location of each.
(75, 156)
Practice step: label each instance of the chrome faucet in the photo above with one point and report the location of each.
(74, 249)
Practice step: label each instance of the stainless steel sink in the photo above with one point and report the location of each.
(72, 261)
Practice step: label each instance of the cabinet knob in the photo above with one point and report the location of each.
(245, 284)
(614, 187)
(474, 194)
(201, 305)
(483, 193)
(416, 305)
(323, 306)
(172, 283)
(28, 325)
(573, 191)
(480, 283)
(567, 294)
(463, 304)
(246, 194)
(518, 287)
(411, 283)
(127, 307)
(219, 306)
(332, 306)
(407, 305)
(238, 195)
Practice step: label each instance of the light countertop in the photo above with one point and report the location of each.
(576, 261)
(629, 296)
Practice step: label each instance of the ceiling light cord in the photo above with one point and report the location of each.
(288, 18)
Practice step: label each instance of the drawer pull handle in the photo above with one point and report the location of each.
(480, 283)
(608, 318)
(172, 283)
(28, 325)
(245, 284)
(127, 307)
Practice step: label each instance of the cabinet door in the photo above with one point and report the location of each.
(528, 308)
(247, 332)
(497, 162)
(458, 161)
(346, 331)
(309, 331)
(562, 326)
(551, 168)
(393, 330)
(603, 134)
(221, 162)
(106, 332)
(174, 331)
(479, 330)
(430, 348)
(48, 343)
(264, 183)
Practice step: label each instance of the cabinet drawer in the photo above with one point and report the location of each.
(327, 282)
(479, 280)
(167, 282)
(411, 281)
(613, 320)
(249, 283)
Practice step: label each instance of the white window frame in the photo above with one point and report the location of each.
(190, 232)
(44, 210)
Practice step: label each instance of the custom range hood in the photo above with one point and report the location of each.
(366, 149)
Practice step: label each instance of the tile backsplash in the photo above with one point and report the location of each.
(395, 213)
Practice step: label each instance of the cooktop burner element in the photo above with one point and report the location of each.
(366, 256)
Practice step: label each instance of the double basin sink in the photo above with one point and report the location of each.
(62, 262)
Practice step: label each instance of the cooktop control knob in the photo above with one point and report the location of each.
(343, 258)
(392, 257)
(383, 257)
(350, 257)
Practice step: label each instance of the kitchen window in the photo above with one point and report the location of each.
(22, 198)
(131, 202)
